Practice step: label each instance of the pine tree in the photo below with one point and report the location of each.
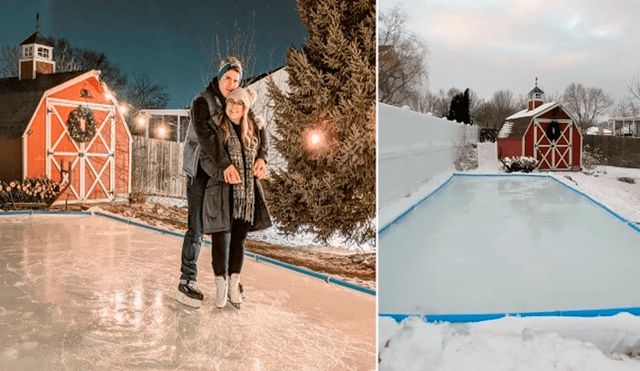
(325, 125)
(460, 109)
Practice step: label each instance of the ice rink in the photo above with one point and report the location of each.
(507, 244)
(85, 292)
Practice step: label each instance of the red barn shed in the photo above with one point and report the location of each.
(49, 118)
(544, 131)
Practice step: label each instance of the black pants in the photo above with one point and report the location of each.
(191, 243)
(227, 248)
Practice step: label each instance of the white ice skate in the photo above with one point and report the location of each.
(221, 291)
(235, 294)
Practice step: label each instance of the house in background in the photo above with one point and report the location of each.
(625, 126)
(598, 130)
(50, 121)
(165, 124)
(264, 107)
(544, 131)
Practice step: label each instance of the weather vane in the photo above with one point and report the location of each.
(37, 21)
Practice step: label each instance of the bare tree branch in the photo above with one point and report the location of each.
(9, 57)
(586, 104)
(143, 94)
(402, 59)
(241, 45)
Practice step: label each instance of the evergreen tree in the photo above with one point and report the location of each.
(325, 125)
(460, 109)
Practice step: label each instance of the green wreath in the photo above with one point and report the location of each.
(73, 124)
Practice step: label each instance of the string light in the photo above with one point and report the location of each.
(141, 121)
(315, 139)
(162, 131)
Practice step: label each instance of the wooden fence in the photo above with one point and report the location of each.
(157, 167)
(616, 151)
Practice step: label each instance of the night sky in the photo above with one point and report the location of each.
(166, 39)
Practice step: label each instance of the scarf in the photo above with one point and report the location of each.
(243, 192)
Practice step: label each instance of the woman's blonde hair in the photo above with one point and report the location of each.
(247, 133)
(248, 97)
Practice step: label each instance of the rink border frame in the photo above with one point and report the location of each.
(480, 317)
(466, 318)
(256, 257)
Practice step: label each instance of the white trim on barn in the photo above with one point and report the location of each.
(82, 149)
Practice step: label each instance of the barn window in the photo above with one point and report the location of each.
(28, 51)
(43, 52)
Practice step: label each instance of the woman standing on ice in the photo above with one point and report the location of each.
(234, 205)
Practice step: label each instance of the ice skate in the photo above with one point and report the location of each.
(235, 292)
(189, 294)
(221, 291)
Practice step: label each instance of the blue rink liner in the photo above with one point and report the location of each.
(464, 318)
(257, 257)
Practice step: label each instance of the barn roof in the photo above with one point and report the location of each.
(36, 38)
(250, 80)
(536, 89)
(19, 99)
(516, 125)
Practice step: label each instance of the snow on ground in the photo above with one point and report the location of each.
(515, 343)
(274, 235)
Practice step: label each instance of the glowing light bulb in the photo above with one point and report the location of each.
(109, 96)
(315, 138)
(141, 121)
(123, 109)
(162, 132)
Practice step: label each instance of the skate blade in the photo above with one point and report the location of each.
(236, 305)
(190, 302)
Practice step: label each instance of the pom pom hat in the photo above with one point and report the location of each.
(246, 95)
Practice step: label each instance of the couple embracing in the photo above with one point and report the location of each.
(225, 156)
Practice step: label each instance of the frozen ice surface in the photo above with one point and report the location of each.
(507, 244)
(90, 293)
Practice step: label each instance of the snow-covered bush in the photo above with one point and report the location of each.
(591, 157)
(466, 156)
(524, 164)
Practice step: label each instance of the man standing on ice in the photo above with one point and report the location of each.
(206, 105)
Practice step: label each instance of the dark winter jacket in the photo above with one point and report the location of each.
(200, 112)
(206, 105)
(214, 159)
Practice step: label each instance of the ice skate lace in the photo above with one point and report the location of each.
(193, 286)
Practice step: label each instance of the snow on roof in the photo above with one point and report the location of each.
(534, 112)
(594, 130)
(506, 130)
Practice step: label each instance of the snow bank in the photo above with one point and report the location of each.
(511, 343)
(274, 235)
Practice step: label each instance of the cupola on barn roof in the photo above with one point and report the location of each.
(536, 89)
(36, 38)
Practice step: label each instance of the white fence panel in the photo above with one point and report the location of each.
(413, 148)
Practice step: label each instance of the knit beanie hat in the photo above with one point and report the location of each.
(226, 64)
(246, 95)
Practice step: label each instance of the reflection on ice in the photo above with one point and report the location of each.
(84, 293)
